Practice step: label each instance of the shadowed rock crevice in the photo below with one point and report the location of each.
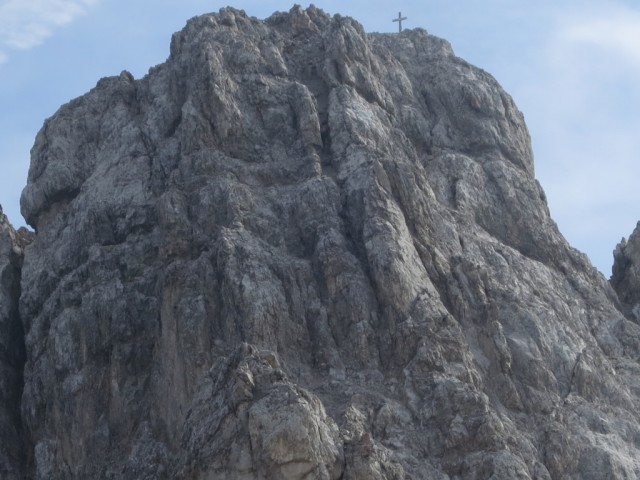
(15, 448)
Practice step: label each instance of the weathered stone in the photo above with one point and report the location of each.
(13, 452)
(626, 273)
(266, 426)
(297, 250)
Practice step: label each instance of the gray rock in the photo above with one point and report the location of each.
(625, 279)
(297, 250)
(267, 427)
(13, 452)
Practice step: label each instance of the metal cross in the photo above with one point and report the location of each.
(399, 20)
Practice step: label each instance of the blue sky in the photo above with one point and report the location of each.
(572, 66)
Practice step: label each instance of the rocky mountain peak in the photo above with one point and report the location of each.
(299, 250)
(626, 273)
(18, 239)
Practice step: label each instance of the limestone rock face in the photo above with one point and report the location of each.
(626, 273)
(13, 452)
(297, 250)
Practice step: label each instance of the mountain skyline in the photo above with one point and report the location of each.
(572, 68)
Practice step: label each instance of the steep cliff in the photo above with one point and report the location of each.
(297, 250)
(13, 452)
(626, 273)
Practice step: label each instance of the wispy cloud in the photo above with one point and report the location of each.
(585, 103)
(26, 24)
(614, 31)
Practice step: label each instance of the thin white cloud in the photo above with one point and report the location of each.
(583, 104)
(614, 31)
(26, 24)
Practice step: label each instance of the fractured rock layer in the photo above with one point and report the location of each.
(297, 250)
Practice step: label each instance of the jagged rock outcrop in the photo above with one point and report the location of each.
(298, 250)
(13, 452)
(626, 273)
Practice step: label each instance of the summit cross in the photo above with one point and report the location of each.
(399, 20)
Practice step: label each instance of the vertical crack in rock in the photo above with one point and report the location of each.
(14, 445)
